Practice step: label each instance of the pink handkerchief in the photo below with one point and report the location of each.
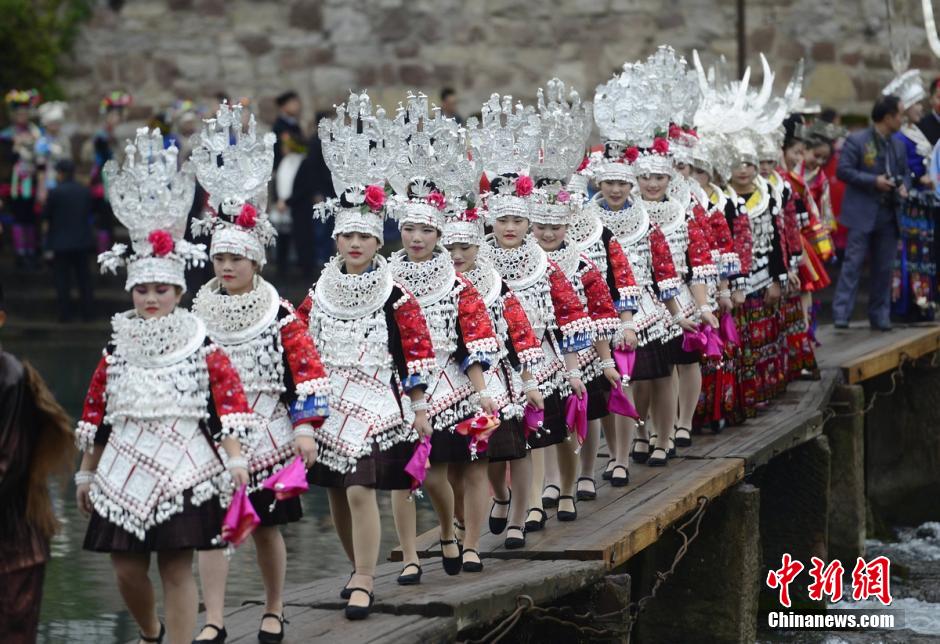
(241, 518)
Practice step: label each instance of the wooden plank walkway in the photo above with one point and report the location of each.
(609, 531)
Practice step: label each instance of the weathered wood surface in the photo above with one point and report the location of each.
(566, 557)
(861, 353)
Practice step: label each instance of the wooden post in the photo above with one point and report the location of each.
(712, 597)
(846, 434)
(742, 38)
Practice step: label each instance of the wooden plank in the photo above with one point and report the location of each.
(887, 359)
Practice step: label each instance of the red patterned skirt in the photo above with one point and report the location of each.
(800, 353)
(762, 365)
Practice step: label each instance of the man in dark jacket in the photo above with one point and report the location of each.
(70, 238)
(930, 123)
(873, 166)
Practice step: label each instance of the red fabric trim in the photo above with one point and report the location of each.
(663, 266)
(303, 311)
(93, 409)
(699, 250)
(520, 330)
(743, 242)
(600, 304)
(227, 392)
(472, 315)
(565, 301)
(415, 338)
(302, 357)
(620, 265)
(721, 233)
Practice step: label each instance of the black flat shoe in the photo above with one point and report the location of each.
(672, 448)
(683, 437)
(608, 470)
(514, 543)
(620, 481)
(412, 579)
(498, 524)
(472, 566)
(638, 456)
(344, 593)
(267, 637)
(156, 640)
(452, 565)
(535, 526)
(550, 501)
(655, 460)
(587, 495)
(565, 515)
(359, 612)
(459, 537)
(220, 635)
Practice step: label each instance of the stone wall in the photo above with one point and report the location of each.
(161, 50)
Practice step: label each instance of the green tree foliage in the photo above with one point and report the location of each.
(35, 38)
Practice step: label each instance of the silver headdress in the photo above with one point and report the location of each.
(431, 156)
(565, 128)
(626, 120)
(506, 142)
(909, 87)
(234, 167)
(359, 149)
(152, 198)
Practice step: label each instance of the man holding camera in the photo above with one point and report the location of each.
(873, 166)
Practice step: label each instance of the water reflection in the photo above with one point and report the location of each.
(81, 602)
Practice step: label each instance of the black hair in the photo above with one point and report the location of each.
(430, 185)
(447, 92)
(498, 181)
(65, 167)
(934, 84)
(828, 114)
(283, 99)
(885, 106)
(792, 126)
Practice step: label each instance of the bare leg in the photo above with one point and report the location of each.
(568, 468)
(496, 473)
(180, 598)
(406, 525)
(342, 521)
(474, 475)
(624, 429)
(588, 454)
(272, 561)
(213, 572)
(806, 299)
(130, 572)
(612, 430)
(535, 483)
(456, 476)
(366, 539)
(552, 475)
(521, 472)
(442, 498)
(663, 409)
(690, 387)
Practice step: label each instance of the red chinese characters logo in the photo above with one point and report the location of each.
(870, 580)
(783, 577)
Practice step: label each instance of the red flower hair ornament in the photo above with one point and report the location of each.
(660, 146)
(162, 242)
(436, 199)
(375, 197)
(247, 217)
(631, 154)
(524, 186)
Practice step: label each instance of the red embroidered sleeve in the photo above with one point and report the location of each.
(307, 372)
(572, 320)
(527, 347)
(599, 303)
(627, 290)
(231, 405)
(700, 255)
(743, 241)
(664, 269)
(415, 337)
(729, 264)
(475, 326)
(303, 311)
(94, 406)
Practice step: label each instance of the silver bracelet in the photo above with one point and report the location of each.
(705, 308)
(529, 385)
(575, 373)
(629, 325)
(608, 364)
(235, 462)
(421, 405)
(83, 477)
(724, 294)
(304, 431)
(678, 317)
